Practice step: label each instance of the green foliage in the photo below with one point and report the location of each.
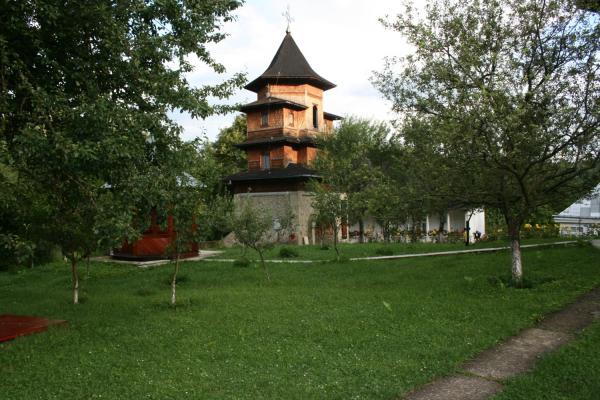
(351, 160)
(330, 210)
(504, 96)
(230, 158)
(252, 228)
(242, 262)
(84, 97)
(288, 252)
(384, 251)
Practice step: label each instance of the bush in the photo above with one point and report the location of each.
(241, 263)
(384, 251)
(287, 252)
(324, 247)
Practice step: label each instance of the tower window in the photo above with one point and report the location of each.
(264, 118)
(266, 161)
(315, 117)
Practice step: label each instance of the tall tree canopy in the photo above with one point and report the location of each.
(509, 91)
(231, 158)
(84, 93)
(349, 162)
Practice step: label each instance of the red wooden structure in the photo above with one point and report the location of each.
(12, 326)
(154, 243)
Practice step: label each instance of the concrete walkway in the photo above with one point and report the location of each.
(413, 255)
(481, 378)
(203, 254)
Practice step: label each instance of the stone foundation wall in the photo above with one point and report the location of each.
(276, 203)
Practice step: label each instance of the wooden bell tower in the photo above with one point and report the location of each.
(280, 144)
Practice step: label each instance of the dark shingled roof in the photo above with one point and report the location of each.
(330, 116)
(293, 171)
(272, 102)
(289, 66)
(305, 140)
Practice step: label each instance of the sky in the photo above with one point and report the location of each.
(342, 40)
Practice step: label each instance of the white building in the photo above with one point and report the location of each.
(581, 217)
(454, 221)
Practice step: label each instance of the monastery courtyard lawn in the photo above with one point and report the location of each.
(376, 249)
(353, 330)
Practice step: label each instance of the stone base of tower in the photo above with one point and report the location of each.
(276, 203)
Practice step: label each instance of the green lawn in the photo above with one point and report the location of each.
(371, 249)
(569, 373)
(360, 330)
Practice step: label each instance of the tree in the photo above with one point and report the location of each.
(84, 95)
(230, 158)
(386, 207)
(252, 228)
(510, 93)
(348, 162)
(330, 211)
(179, 202)
(285, 225)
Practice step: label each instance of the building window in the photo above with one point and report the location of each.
(291, 118)
(266, 161)
(264, 118)
(315, 117)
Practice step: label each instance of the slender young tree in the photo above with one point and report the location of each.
(252, 227)
(330, 211)
(180, 204)
(510, 92)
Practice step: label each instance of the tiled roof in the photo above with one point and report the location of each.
(292, 171)
(331, 117)
(289, 66)
(305, 140)
(272, 102)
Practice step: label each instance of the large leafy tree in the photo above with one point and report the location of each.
(230, 158)
(510, 91)
(349, 161)
(84, 93)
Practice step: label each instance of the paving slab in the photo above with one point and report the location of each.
(203, 254)
(457, 387)
(576, 316)
(517, 355)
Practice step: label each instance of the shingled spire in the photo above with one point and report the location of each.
(289, 67)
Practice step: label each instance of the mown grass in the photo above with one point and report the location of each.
(369, 249)
(569, 373)
(360, 330)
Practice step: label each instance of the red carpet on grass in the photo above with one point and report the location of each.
(12, 326)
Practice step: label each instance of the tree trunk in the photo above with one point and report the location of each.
(174, 282)
(264, 265)
(75, 277)
(361, 231)
(87, 267)
(515, 246)
(335, 243)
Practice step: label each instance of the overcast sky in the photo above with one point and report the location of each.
(342, 40)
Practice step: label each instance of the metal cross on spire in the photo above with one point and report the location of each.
(287, 14)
